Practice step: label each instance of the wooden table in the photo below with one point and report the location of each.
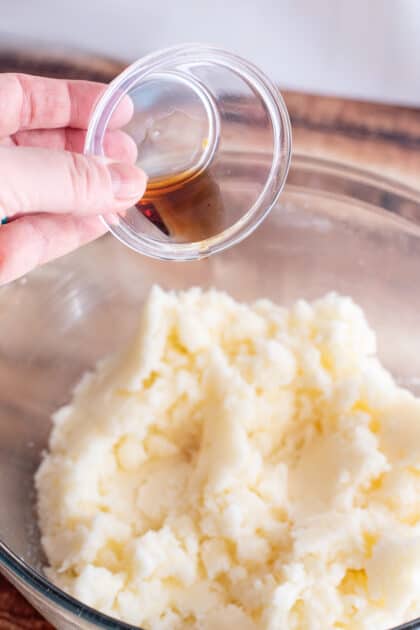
(380, 138)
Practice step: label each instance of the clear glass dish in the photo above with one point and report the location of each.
(333, 228)
(200, 114)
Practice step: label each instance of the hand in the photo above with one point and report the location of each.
(50, 194)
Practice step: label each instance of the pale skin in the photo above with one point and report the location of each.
(50, 193)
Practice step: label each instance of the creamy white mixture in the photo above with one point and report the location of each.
(238, 467)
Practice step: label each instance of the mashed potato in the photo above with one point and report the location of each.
(238, 467)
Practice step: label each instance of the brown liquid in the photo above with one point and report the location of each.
(187, 207)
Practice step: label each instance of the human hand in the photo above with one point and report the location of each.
(50, 194)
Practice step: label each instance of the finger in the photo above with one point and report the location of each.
(34, 240)
(44, 180)
(28, 102)
(117, 144)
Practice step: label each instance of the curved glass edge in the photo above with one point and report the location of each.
(343, 170)
(394, 201)
(282, 149)
(347, 171)
(31, 580)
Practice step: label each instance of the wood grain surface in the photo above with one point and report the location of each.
(382, 139)
(15, 612)
(379, 138)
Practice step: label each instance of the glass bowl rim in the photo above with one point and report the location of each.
(19, 571)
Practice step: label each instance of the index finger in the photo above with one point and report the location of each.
(28, 102)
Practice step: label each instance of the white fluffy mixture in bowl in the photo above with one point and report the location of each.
(238, 467)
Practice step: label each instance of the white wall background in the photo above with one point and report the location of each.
(360, 48)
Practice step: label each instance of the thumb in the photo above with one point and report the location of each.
(42, 180)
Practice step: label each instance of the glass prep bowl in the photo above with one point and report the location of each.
(334, 228)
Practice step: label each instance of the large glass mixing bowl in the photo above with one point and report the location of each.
(333, 229)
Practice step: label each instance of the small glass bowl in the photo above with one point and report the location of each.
(201, 115)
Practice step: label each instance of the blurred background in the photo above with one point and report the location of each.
(366, 49)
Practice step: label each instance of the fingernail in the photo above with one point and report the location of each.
(128, 182)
